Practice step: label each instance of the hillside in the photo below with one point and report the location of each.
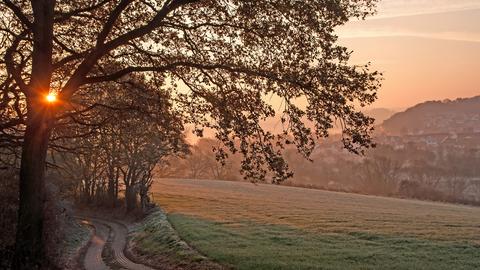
(459, 116)
(249, 226)
(380, 114)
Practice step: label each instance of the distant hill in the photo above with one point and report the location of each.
(460, 116)
(380, 114)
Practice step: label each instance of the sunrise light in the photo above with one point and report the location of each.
(51, 97)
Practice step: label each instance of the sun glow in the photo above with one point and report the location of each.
(51, 97)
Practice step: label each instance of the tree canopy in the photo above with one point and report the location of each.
(220, 59)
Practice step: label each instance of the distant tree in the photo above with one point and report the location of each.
(426, 172)
(456, 187)
(202, 162)
(226, 56)
(197, 162)
(379, 175)
(215, 169)
(458, 168)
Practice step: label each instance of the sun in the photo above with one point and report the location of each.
(51, 97)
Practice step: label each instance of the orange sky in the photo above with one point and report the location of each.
(427, 49)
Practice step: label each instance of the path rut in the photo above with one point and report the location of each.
(117, 234)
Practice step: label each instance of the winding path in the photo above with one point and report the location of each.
(116, 233)
(93, 257)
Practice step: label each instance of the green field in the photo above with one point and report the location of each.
(250, 226)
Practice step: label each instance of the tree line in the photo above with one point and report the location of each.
(443, 174)
(117, 145)
(411, 172)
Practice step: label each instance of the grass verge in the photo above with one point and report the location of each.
(156, 242)
(75, 243)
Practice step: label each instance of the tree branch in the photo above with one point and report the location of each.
(77, 79)
(18, 12)
(107, 27)
(10, 63)
(77, 12)
(230, 68)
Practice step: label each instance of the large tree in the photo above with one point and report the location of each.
(219, 58)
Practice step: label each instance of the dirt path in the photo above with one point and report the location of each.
(93, 256)
(116, 233)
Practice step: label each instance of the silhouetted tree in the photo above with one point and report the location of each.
(225, 56)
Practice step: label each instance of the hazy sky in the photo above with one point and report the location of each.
(427, 49)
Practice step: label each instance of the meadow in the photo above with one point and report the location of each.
(248, 226)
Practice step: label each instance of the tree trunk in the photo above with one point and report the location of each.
(130, 198)
(117, 177)
(111, 192)
(29, 246)
(144, 202)
(143, 192)
(111, 187)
